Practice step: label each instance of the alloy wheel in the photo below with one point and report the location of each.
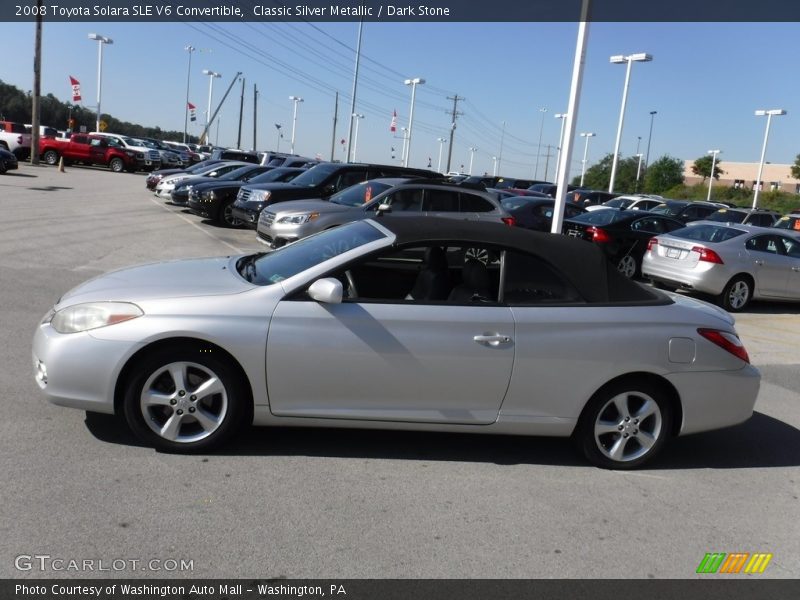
(628, 426)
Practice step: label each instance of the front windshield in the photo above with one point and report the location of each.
(266, 269)
(668, 208)
(237, 174)
(273, 175)
(727, 216)
(359, 194)
(315, 176)
(618, 203)
(788, 222)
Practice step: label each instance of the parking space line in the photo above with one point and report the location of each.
(196, 226)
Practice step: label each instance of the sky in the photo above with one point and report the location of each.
(705, 82)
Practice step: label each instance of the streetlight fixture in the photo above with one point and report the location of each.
(441, 145)
(472, 151)
(539, 147)
(713, 154)
(189, 49)
(278, 127)
(638, 172)
(413, 83)
(585, 153)
(769, 114)
(563, 117)
(101, 40)
(629, 60)
(358, 118)
(297, 100)
(211, 76)
(653, 113)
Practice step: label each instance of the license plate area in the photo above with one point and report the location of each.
(574, 233)
(673, 253)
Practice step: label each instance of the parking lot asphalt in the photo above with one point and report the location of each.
(350, 504)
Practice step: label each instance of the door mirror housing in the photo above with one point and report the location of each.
(327, 290)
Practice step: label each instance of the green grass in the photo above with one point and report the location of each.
(783, 202)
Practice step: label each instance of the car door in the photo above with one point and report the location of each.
(389, 359)
(80, 148)
(97, 150)
(770, 267)
(791, 256)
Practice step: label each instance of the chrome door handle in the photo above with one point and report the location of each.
(492, 340)
(796, 269)
(759, 262)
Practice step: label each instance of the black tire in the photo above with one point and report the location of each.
(628, 266)
(226, 406)
(225, 215)
(51, 157)
(737, 294)
(3, 168)
(117, 165)
(605, 431)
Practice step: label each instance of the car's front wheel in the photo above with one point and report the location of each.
(226, 215)
(184, 400)
(737, 294)
(625, 425)
(51, 157)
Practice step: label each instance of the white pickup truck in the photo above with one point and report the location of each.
(15, 138)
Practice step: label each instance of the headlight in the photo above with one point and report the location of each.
(139, 155)
(210, 195)
(260, 196)
(129, 153)
(298, 219)
(91, 315)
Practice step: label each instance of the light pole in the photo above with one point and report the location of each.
(629, 60)
(358, 118)
(189, 49)
(297, 100)
(413, 83)
(713, 154)
(404, 133)
(494, 168)
(638, 172)
(585, 154)
(472, 151)
(441, 145)
(502, 139)
(539, 147)
(280, 135)
(563, 117)
(211, 76)
(769, 114)
(100, 39)
(653, 113)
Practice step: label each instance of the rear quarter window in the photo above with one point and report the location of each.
(707, 233)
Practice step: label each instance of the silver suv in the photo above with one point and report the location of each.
(289, 221)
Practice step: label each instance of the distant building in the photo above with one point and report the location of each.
(739, 174)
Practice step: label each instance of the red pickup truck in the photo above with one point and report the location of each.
(89, 149)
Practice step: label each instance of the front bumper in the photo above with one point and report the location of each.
(201, 208)
(81, 370)
(247, 213)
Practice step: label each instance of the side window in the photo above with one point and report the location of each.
(80, 139)
(762, 243)
(649, 225)
(473, 203)
(764, 220)
(791, 247)
(97, 143)
(530, 280)
(440, 201)
(703, 211)
(405, 200)
(345, 180)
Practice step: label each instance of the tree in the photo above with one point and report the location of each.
(702, 167)
(598, 176)
(796, 167)
(663, 174)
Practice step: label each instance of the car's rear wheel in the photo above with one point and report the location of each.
(625, 425)
(627, 266)
(51, 157)
(184, 400)
(737, 294)
(3, 167)
(117, 165)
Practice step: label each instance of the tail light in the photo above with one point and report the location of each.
(651, 243)
(598, 235)
(708, 255)
(509, 221)
(729, 342)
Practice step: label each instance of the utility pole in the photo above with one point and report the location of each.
(355, 89)
(335, 119)
(455, 114)
(255, 116)
(547, 161)
(241, 110)
(37, 86)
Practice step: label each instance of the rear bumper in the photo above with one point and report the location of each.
(709, 280)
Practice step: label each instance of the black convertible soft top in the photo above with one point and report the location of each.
(582, 263)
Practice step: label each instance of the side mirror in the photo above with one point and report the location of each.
(384, 208)
(327, 290)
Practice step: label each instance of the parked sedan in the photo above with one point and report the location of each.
(536, 213)
(687, 211)
(244, 173)
(165, 187)
(8, 161)
(215, 200)
(622, 234)
(735, 263)
(629, 202)
(156, 176)
(341, 330)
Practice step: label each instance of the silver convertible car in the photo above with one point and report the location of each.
(389, 323)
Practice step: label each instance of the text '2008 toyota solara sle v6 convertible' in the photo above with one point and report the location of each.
(399, 323)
